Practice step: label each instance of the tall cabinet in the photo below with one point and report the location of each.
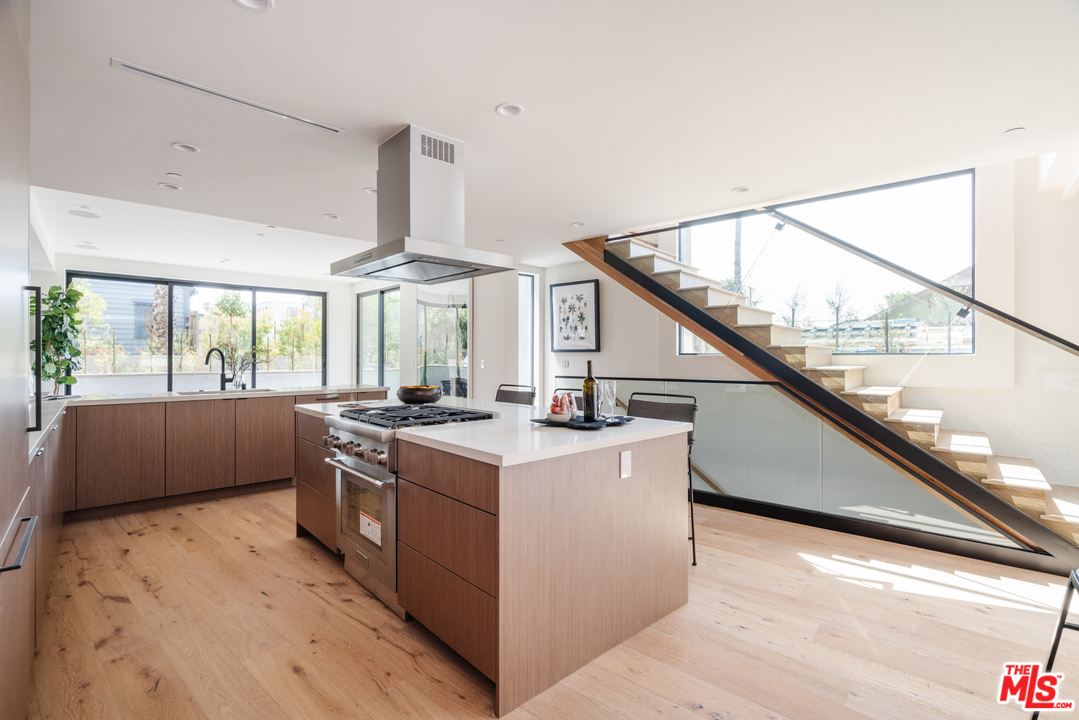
(16, 497)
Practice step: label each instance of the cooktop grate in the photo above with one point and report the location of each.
(399, 416)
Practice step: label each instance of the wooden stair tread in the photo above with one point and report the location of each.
(840, 368)
(916, 416)
(683, 267)
(721, 307)
(709, 285)
(873, 391)
(1062, 504)
(644, 245)
(962, 442)
(764, 325)
(1016, 473)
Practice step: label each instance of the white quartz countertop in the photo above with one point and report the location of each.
(180, 396)
(509, 438)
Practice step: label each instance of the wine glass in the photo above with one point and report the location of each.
(608, 394)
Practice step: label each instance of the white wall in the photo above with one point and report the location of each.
(636, 340)
(340, 305)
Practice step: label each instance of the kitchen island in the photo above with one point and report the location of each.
(526, 548)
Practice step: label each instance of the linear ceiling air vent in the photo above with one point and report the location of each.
(124, 65)
(437, 149)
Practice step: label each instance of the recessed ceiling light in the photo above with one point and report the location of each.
(509, 109)
(169, 186)
(185, 147)
(261, 234)
(370, 191)
(174, 176)
(331, 216)
(87, 246)
(224, 260)
(501, 240)
(259, 5)
(272, 227)
(576, 224)
(83, 213)
(740, 189)
(83, 207)
(1014, 129)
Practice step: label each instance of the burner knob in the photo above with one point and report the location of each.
(381, 458)
(327, 440)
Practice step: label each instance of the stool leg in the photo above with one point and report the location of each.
(692, 521)
(1073, 586)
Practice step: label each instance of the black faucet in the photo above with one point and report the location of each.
(222, 354)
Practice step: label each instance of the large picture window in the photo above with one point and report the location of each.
(152, 335)
(838, 298)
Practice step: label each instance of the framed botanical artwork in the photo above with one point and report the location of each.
(575, 316)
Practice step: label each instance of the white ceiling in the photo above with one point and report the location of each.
(636, 113)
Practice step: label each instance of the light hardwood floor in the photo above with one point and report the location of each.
(214, 610)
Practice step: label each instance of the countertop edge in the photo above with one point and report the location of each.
(547, 453)
(215, 395)
(50, 410)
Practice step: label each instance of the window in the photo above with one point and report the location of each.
(442, 336)
(143, 316)
(161, 340)
(526, 329)
(378, 353)
(836, 297)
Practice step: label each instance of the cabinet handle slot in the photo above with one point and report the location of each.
(21, 555)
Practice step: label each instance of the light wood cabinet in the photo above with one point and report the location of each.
(121, 453)
(265, 439)
(200, 445)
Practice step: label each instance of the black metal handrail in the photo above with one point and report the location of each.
(1012, 521)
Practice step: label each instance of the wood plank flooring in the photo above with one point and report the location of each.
(215, 610)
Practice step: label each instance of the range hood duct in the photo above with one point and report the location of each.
(421, 216)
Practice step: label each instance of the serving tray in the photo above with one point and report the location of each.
(579, 424)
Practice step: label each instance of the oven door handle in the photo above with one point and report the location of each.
(366, 478)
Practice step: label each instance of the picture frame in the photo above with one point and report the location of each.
(575, 316)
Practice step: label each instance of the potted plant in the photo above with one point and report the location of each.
(60, 351)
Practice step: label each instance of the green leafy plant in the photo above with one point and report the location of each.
(60, 351)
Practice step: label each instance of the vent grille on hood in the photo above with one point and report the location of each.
(437, 149)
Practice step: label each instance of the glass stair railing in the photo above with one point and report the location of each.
(892, 366)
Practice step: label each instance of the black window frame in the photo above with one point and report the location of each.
(173, 283)
(971, 172)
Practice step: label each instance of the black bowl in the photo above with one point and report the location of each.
(419, 395)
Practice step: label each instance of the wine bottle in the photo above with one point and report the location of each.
(590, 396)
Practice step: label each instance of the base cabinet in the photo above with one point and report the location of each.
(265, 429)
(200, 445)
(121, 453)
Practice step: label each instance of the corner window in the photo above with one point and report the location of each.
(378, 352)
(786, 274)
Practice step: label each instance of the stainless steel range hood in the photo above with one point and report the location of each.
(421, 216)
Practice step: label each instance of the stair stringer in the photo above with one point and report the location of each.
(882, 441)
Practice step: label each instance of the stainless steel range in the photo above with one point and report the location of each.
(365, 455)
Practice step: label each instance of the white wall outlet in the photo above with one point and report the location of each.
(625, 463)
(483, 364)
(565, 363)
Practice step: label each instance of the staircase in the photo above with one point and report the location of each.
(1016, 481)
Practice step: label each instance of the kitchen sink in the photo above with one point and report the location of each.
(222, 392)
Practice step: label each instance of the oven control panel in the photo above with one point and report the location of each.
(370, 455)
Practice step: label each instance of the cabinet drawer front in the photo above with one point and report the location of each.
(326, 397)
(311, 468)
(369, 395)
(470, 481)
(311, 428)
(317, 514)
(458, 537)
(465, 617)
